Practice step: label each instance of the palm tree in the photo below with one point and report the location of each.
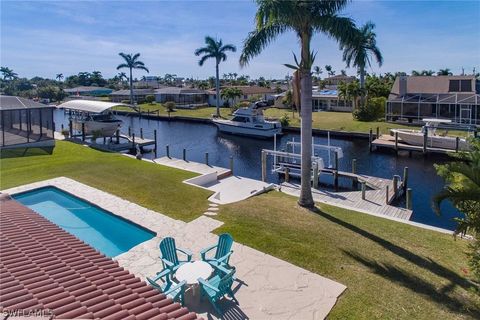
(216, 50)
(444, 72)
(358, 52)
(304, 18)
(318, 71)
(416, 73)
(329, 70)
(230, 94)
(131, 62)
(8, 73)
(59, 76)
(427, 73)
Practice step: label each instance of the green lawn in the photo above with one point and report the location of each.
(392, 270)
(157, 187)
(204, 113)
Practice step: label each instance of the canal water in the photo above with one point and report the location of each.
(199, 138)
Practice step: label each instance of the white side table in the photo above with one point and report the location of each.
(191, 271)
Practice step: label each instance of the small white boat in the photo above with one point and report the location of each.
(104, 123)
(250, 122)
(415, 137)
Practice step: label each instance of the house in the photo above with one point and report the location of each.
(138, 95)
(248, 93)
(88, 91)
(456, 98)
(26, 123)
(186, 98)
(333, 81)
(322, 100)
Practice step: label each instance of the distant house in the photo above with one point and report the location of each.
(322, 100)
(88, 91)
(138, 94)
(25, 123)
(333, 81)
(183, 97)
(248, 92)
(456, 98)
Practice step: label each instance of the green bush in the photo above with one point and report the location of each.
(150, 98)
(373, 110)
(169, 105)
(285, 120)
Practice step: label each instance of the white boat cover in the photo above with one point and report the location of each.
(90, 105)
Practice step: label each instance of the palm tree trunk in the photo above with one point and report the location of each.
(217, 89)
(362, 85)
(132, 102)
(306, 199)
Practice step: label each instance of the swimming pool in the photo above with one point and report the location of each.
(109, 234)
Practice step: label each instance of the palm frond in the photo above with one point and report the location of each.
(205, 58)
(228, 47)
(259, 39)
(142, 68)
(203, 50)
(123, 65)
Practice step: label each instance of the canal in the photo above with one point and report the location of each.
(199, 138)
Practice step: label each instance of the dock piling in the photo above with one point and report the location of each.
(129, 131)
(396, 142)
(133, 140)
(409, 198)
(335, 180)
(167, 147)
(287, 174)
(335, 158)
(264, 166)
(405, 178)
(155, 138)
(425, 140)
(387, 192)
(396, 179)
(141, 133)
(184, 154)
(83, 131)
(117, 136)
(363, 190)
(231, 164)
(206, 158)
(70, 127)
(354, 165)
(370, 139)
(378, 133)
(457, 142)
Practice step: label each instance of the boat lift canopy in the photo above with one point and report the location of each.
(91, 106)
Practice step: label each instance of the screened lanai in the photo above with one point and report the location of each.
(459, 107)
(25, 123)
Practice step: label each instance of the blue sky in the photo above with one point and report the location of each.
(47, 37)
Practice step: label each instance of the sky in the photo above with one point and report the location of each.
(43, 38)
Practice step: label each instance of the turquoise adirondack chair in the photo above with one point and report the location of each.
(169, 256)
(223, 252)
(175, 291)
(218, 286)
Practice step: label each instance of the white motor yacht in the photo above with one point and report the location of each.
(415, 137)
(250, 122)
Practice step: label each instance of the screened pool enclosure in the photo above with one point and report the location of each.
(25, 123)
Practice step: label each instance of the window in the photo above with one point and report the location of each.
(460, 86)
(240, 119)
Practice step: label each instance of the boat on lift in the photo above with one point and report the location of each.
(95, 117)
(250, 121)
(415, 137)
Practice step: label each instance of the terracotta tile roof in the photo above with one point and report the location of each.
(44, 267)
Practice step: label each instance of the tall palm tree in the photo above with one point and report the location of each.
(216, 50)
(318, 71)
(359, 51)
(416, 73)
(304, 18)
(131, 62)
(8, 73)
(59, 76)
(329, 70)
(230, 94)
(444, 72)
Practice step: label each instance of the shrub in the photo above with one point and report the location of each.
(150, 98)
(372, 111)
(169, 105)
(285, 120)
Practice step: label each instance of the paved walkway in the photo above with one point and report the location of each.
(267, 287)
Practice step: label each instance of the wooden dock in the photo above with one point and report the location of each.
(388, 142)
(374, 203)
(125, 143)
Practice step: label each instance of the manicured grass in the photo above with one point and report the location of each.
(392, 270)
(154, 186)
(204, 112)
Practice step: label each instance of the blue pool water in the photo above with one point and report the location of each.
(101, 229)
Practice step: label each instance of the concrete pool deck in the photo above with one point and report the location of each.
(267, 287)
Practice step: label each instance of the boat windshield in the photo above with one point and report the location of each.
(241, 119)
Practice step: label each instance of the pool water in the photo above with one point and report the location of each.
(109, 234)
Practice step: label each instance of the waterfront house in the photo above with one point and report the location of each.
(248, 92)
(186, 98)
(322, 100)
(25, 123)
(456, 98)
(124, 95)
(88, 91)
